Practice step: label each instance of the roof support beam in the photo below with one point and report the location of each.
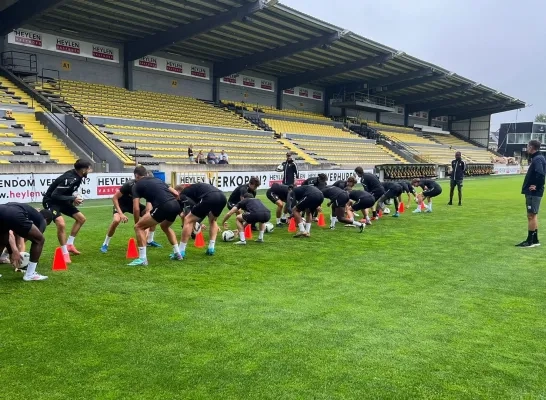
(410, 83)
(434, 93)
(364, 85)
(481, 113)
(21, 12)
(147, 45)
(431, 105)
(463, 110)
(238, 64)
(291, 81)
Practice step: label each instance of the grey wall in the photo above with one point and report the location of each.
(479, 129)
(82, 69)
(157, 81)
(254, 96)
(295, 103)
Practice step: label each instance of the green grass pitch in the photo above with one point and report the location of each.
(427, 306)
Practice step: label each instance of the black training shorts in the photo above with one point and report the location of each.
(271, 196)
(363, 203)
(391, 194)
(458, 183)
(213, 202)
(310, 203)
(341, 200)
(377, 193)
(16, 221)
(127, 208)
(433, 192)
(166, 212)
(257, 217)
(60, 208)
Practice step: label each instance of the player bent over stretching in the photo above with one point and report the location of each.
(338, 200)
(27, 223)
(360, 200)
(255, 212)
(430, 189)
(60, 199)
(165, 209)
(306, 200)
(123, 203)
(392, 191)
(209, 201)
(278, 195)
(237, 195)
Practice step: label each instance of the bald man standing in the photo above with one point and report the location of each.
(458, 168)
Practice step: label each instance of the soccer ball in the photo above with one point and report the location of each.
(196, 228)
(279, 168)
(228, 236)
(386, 210)
(269, 227)
(389, 202)
(79, 196)
(26, 259)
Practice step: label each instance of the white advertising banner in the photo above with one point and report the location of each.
(249, 82)
(228, 181)
(503, 169)
(58, 44)
(305, 93)
(30, 188)
(173, 67)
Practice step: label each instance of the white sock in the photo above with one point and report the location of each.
(65, 249)
(142, 253)
(151, 236)
(182, 246)
(430, 206)
(261, 235)
(278, 220)
(333, 221)
(70, 240)
(31, 269)
(308, 227)
(211, 244)
(356, 223)
(301, 225)
(176, 249)
(107, 240)
(242, 236)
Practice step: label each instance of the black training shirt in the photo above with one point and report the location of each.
(239, 192)
(197, 191)
(154, 190)
(252, 206)
(370, 182)
(62, 189)
(429, 184)
(535, 176)
(280, 190)
(332, 192)
(340, 184)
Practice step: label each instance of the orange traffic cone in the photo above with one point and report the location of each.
(248, 232)
(380, 213)
(58, 261)
(132, 251)
(199, 240)
(422, 206)
(401, 208)
(292, 225)
(321, 221)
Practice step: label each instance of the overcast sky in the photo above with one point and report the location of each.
(499, 43)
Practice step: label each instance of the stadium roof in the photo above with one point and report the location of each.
(263, 36)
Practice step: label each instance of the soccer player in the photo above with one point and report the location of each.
(28, 223)
(533, 189)
(237, 195)
(392, 191)
(319, 182)
(458, 168)
(348, 184)
(338, 200)
(165, 209)
(306, 200)
(407, 188)
(61, 199)
(430, 189)
(209, 201)
(360, 200)
(371, 184)
(123, 203)
(255, 212)
(278, 195)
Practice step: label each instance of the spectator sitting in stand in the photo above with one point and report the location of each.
(200, 158)
(211, 157)
(223, 158)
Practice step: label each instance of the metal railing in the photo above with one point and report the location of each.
(20, 61)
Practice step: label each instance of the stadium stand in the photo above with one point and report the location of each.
(304, 128)
(24, 139)
(151, 145)
(300, 114)
(104, 100)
